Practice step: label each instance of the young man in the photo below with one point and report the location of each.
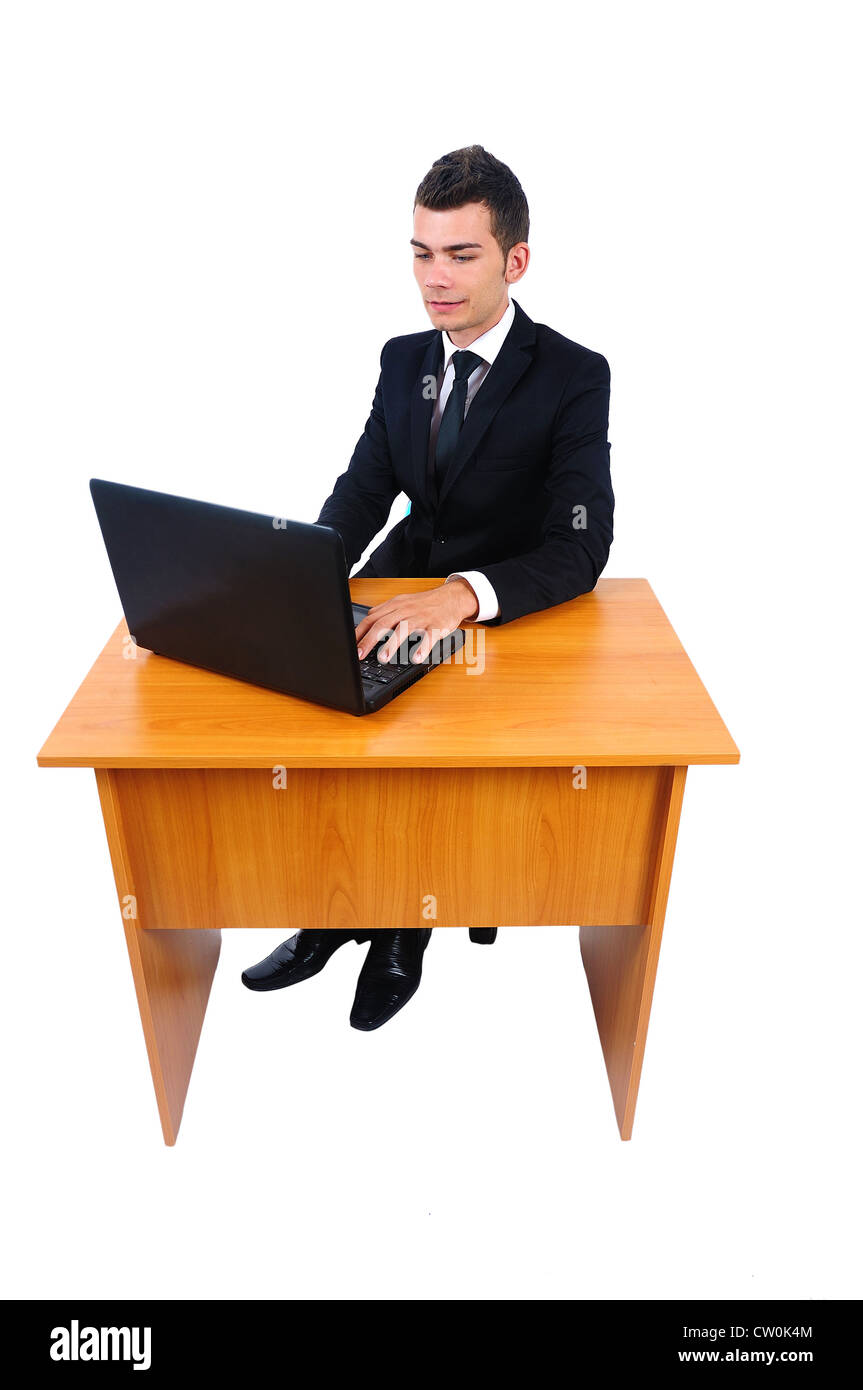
(496, 428)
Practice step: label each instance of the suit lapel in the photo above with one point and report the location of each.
(509, 366)
(422, 405)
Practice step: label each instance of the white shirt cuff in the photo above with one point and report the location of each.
(486, 596)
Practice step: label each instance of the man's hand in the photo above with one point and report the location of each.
(435, 613)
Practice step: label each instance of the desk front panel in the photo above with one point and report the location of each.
(390, 847)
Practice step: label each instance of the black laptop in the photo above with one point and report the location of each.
(257, 597)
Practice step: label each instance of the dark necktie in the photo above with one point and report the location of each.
(453, 416)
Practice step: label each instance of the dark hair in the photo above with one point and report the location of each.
(472, 175)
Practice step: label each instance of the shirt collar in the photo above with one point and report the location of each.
(488, 344)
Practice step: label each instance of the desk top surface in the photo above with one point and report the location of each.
(599, 681)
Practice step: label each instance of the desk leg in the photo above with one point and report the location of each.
(172, 971)
(620, 964)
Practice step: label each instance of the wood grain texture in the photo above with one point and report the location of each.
(172, 970)
(601, 681)
(620, 962)
(391, 847)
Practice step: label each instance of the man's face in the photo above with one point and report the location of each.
(460, 270)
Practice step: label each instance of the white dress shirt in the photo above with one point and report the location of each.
(487, 346)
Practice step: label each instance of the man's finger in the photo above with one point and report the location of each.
(374, 635)
(375, 615)
(400, 633)
(377, 634)
(422, 648)
(429, 638)
(368, 622)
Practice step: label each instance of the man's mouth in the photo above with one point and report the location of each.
(445, 303)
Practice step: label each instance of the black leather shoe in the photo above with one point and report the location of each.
(298, 958)
(390, 975)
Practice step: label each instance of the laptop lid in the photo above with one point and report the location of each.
(257, 597)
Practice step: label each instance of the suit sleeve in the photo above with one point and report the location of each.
(360, 502)
(577, 527)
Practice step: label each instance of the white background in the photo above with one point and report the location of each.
(204, 246)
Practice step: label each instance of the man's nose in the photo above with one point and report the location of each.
(437, 277)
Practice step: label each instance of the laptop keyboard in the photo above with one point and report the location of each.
(382, 672)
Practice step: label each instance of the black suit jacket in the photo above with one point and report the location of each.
(533, 446)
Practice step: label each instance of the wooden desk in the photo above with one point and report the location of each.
(542, 789)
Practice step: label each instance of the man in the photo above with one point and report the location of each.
(496, 429)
